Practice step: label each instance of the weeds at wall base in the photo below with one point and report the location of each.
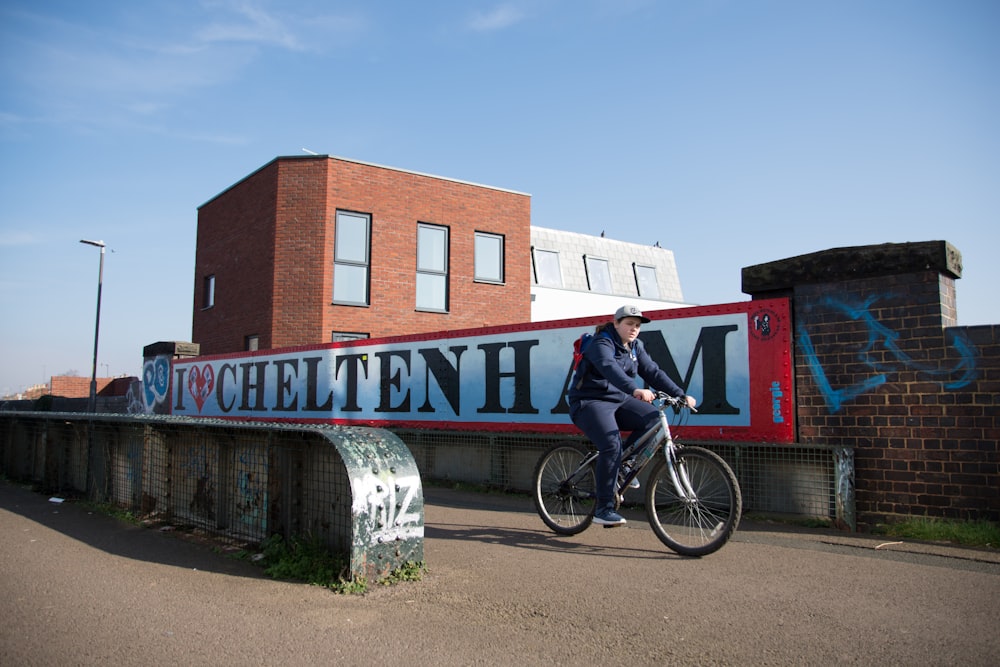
(972, 533)
(309, 561)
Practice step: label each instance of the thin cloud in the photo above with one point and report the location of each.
(83, 71)
(12, 238)
(252, 24)
(258, 27)
(499, 18)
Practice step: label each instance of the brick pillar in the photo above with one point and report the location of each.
(880, 367)
(156, 380)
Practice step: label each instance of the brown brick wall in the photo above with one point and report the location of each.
(67, 386)
(235, 242)
(270, 240)
(880, 368)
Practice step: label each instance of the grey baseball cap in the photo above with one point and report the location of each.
(628, 310)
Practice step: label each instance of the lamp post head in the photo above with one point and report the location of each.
(99, 244)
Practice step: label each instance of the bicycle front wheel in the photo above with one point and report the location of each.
(700, 525)
(565, 490)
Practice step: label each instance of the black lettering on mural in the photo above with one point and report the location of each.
(179, 405)
(312, 380)
(521, 377)
(257, 385)
(220, 383)
(391, 381)
(285, 385)
(562, 407)
(445, 374)
(711, 347)
(352, 362)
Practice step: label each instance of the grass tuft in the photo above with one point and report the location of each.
(309, 561)
(978, 533)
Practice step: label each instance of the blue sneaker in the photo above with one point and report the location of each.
(626, 469)
(608, 518)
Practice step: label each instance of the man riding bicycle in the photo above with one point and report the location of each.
(605, 399)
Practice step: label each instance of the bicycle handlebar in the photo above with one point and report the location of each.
(673, 401)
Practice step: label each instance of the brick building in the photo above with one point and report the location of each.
(313, 249)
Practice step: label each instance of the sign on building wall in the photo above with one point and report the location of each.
(734, 358)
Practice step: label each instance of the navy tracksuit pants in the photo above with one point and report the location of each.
(602, 421)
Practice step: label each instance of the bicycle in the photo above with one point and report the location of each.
(693, 500)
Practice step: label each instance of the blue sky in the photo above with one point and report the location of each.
(733, 132)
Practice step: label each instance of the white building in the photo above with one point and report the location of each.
(576, 275)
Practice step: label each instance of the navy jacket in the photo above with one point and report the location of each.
(608, 370)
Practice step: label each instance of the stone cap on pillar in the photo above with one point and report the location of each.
(173, 348)
(851, 263)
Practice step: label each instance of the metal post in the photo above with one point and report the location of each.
(92, 407)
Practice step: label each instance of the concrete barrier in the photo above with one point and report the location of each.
(357, 490)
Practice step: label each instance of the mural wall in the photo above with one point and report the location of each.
(735, 358)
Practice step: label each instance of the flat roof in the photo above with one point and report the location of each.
(317, 156)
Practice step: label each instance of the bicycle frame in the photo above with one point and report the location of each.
(642, 452)
(644, 449)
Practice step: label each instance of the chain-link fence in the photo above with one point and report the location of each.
(814, 482)
(249, 482)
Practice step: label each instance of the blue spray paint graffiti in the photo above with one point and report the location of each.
(252, 498)
(881, 353)
(156, 384)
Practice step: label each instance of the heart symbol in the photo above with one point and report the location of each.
(155, 375)
(200, 384)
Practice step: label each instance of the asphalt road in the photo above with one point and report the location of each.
(85, 589)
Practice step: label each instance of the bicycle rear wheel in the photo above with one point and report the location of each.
(701, 525)
(564, 492)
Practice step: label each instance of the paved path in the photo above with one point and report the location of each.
(84, 589)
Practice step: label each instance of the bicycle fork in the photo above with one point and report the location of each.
(678, 472)
(682, 484)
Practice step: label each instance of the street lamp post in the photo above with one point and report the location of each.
(92, 407)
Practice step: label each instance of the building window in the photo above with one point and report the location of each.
(546, 266)
(645, 281)
(252, 343)
(489, 257)
(351, 252)
(598, 274)
(340, 336)
(432, 268)
(208, 292)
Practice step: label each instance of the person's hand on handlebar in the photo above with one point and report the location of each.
(644, 395)
(649, 396)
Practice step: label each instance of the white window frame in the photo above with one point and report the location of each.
(598, 271)
(541, 277)
(489, 252)
(649, 280)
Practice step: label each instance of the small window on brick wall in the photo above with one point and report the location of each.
(351, 257)
(432, 268)
(252, 343)
(340, 336)
(208, 292)
(489, 257)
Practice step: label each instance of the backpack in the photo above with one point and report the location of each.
(581, 344)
